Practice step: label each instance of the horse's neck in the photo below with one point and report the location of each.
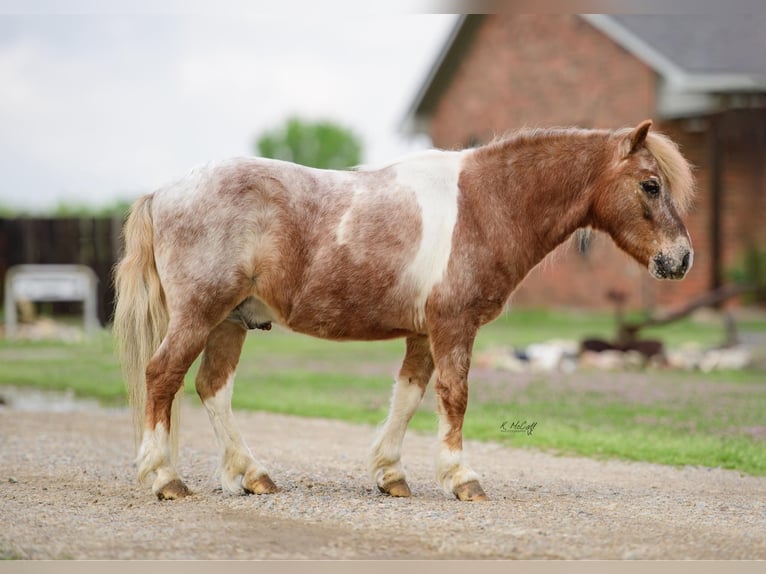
(540, 188)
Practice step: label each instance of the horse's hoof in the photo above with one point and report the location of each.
(396, 488)
(471, 491)
(173, 490)
(260, 485)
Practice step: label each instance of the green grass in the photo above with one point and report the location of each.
(89, 369)
(599, 425)
(675, 418)
(525, 326)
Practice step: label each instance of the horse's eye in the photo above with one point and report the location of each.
(651, 187)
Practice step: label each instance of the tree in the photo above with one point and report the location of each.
(322, 144)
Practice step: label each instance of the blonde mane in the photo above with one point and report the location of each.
(673, 165)
(675, 168)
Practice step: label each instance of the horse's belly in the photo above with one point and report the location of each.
(345, 331)
(344, 319)
(350, 328)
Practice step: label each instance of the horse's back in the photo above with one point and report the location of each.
(219, 223)
(383, 249)
(339, 254)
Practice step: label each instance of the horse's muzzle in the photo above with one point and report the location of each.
(671, 265)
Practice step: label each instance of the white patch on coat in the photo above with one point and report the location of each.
(183, 193)
(451, 472)
(154, 456)
(433, 178)
(237, 458)
(385, 462)
(343, 231)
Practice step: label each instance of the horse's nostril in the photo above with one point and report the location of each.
(685, 261)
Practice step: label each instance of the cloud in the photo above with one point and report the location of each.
(94, 106)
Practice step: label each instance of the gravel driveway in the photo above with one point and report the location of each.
(68, 490)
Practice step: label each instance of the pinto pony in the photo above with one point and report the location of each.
(429, 248)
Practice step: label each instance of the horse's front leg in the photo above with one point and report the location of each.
(451, 347)
(215, 384)
(385, 463)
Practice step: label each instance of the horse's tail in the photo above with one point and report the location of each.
(140, 316)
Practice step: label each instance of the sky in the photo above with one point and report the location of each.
(102, 104)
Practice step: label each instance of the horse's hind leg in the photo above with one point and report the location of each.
(215, 383)
(164, 378)
(408, 391)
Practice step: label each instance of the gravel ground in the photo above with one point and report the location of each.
(68, 490)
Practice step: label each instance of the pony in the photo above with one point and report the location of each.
(429, 248)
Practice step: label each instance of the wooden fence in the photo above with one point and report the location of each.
(95, 242)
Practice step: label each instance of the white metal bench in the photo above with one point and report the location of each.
(51, 283)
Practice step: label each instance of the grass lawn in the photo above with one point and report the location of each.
(716, 419)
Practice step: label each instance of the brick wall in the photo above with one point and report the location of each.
(540, 70)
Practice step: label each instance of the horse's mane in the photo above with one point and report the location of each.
(674, 166)
(526, 133)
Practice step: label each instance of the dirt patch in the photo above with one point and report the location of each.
(67, 490)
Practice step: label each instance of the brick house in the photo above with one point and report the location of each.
(701, 79)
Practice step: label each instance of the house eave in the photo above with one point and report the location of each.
(699, 95)
(416, 120)
(721, 83)
(680, 93)
(635, 45)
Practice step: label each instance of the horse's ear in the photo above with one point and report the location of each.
(638, 135)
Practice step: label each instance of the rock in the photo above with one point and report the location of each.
(550, 355)
(567, 357)
(604, 361)
(686, 357)
(733, 358)
(634, 360)
(501, 358)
